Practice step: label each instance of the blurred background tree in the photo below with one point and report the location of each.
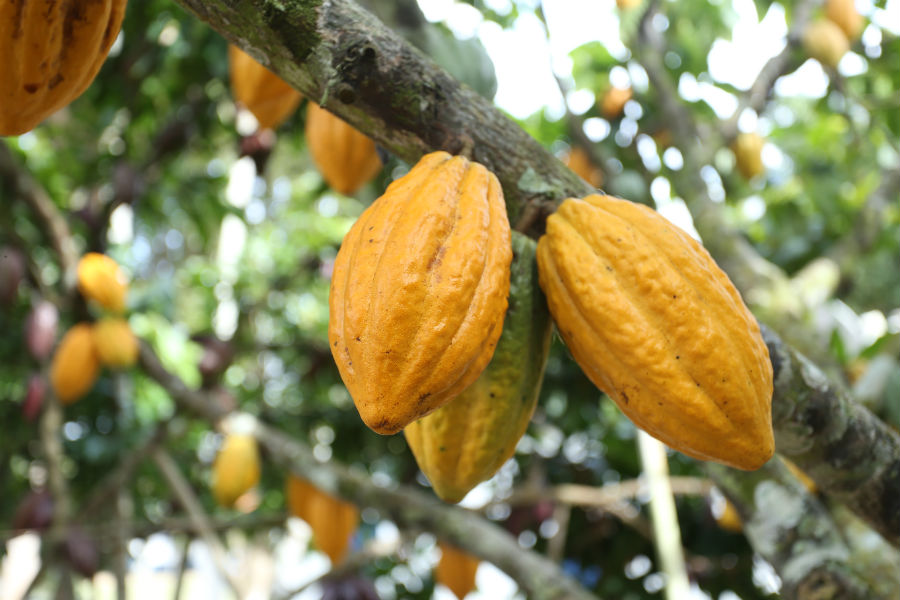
(228, 236)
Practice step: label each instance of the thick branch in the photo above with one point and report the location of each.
(846, 449)
(792, 530)
(405, 506)
(342, 57)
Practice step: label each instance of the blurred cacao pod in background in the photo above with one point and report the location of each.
(259, 90)
(116, 345)
(40, 329)
(75, 364)
(35, 511)
(456, 570)
(236, 468)
(100, 279)
(345, 157)
(34, 397)
(12, 269)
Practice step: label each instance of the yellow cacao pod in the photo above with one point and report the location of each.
(654, 323)
(825, 42)
(613, 102)
(467, 440)
(75, 364)
(627, 4)
(747, 148)
(235, 469)
(580, 162)
(259, 90)
(730, 519)
(51, 52)
(419, 289)
(345, 157)
(333, 521)
(100, 279)
(116, 345)
(843, 13)
(456, 570)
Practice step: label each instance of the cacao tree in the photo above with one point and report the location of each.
(227, 237)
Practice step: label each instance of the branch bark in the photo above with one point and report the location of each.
(408, 507)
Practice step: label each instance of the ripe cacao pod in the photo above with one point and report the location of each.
(75, 364)
(34, 397)
(51, 53)
(456, 570)
(100, 279)
(747, 148)
(259, 90)
(419, 289)
(613, 102)
(580, 162)
(116, 345)
(825, 42)
(40, 329)
(236, 468)
(345, 157)
(654, 323)
(843, 13)
(468, 439)
(333, 521)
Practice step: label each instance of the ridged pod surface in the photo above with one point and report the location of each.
(333, 521)
(456, 570)
(418, 292)
(467, 440)
(75, 364)
(654, 323)
(259, 90)
(100, 279)
(345, 157)
(236, 468)
(51, 51)
(117, 346)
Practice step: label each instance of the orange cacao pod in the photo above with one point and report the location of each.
(843, 13)
(51, 53)
(346, 158)
(236, 468)
(580, 162)
(613, 102)
(418, 293)
(456, 570)
(825, 42)
(75, 364)
(333, 521)
(116, 345)
(259, 90)
(654, 323)
(100, 279)
(747, 148)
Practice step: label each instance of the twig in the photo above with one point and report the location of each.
(182, 567)
(189, 502)
(54, 225)
(604, 497)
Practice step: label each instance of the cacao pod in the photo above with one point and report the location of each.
(259, 90)
(843, 13)
(116, 345)
(40, 329)
(51, 53)
(729, 519)
(348, 587)
(12, 269)
(35, 511)
(34, 397)
(467, 440)
(419, 289)
(345, 157)
(456, 570)
(580, 162)
(825, 42)
(81, 552)
(75, 364)
(654, 323)
(333, 521)
(613, 102)
(236, 468)
(100, 279)
(747, 148)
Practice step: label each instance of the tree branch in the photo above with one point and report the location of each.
(408, 507)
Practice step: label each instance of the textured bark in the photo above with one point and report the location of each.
(846, 449)
(335, 52)
(792, 530)
(411, 509)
